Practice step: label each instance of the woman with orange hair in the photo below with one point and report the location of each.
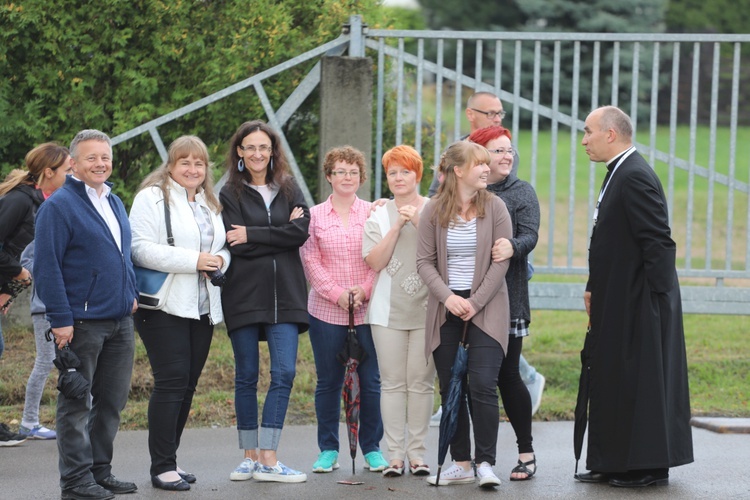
(397, 314)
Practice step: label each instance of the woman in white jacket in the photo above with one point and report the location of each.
(178, 336)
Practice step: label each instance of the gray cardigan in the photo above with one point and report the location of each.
(489, 293)
(523, 207)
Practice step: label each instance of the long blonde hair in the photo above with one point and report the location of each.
(47, 155)
(462, 154)
(182, 147)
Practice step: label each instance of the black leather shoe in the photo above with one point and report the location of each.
(179, 485)
(116, 486)
(88, 491)
(592, 477)
(188, 477)
(641, 478)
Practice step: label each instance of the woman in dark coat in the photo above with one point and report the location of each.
(265, 297)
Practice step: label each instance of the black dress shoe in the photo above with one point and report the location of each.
(188, 477)
(641, 478)
(592, 477)
(88, 491)
(116, 486)
(179, 485)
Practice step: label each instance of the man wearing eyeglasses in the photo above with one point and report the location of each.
(484, 109)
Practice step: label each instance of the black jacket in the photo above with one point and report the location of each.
(523, 207)
(265, 281)
(17, 212)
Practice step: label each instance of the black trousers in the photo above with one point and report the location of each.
(177, 350)
(515, 395)
(485, 360)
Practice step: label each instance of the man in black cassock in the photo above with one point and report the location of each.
(639, 402)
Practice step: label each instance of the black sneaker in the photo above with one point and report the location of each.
(10, 438)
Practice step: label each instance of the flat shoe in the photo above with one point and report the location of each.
(188, 477)
(179, 485)
(393, 471)
(638, 479)
(523, 468)
(592, 477)
(419, 469)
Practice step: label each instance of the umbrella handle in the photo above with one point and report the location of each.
(466, 329)
(351, 310)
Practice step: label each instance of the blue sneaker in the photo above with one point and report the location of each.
(244, 471)
(327, 461)
(279, 473)
(375, 461)
(37, 432)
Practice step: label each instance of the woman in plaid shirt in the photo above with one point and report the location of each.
(332, 258)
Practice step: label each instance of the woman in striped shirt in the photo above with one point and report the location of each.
(454, 259)
(334, 266)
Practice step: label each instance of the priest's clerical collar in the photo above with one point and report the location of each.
(617, 156)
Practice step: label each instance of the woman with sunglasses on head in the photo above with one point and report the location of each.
(456, 231)
(264, 298)
(47, 167)
(335, 268)
(523, 206)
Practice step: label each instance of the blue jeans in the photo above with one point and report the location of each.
(86, 427)
(327, 340)
(283, 339)
(528, 372)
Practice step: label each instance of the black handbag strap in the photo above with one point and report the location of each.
(168, 220)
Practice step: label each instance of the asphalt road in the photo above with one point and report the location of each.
(720, 470)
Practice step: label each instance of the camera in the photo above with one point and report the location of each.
(217, 278)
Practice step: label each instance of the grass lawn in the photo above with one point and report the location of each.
(717, 348)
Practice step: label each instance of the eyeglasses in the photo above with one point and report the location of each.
(344, 173)
(502, 151)
(262, 149)
(490, 114)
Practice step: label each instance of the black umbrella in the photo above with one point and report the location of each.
(351, 356)
(582, 404)
(453, 402)
(71, 383)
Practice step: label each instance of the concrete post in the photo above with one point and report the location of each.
(345, 113)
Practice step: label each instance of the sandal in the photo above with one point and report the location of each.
(419, 469)
(394, 471)
(523, 468)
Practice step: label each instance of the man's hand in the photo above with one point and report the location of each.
(587, 302)
(63, 335)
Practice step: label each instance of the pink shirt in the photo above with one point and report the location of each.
(332, 257)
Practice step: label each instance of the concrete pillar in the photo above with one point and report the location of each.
(345, 113)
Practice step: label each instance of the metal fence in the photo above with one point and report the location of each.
(682, 91)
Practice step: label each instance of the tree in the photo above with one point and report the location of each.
(67, 65)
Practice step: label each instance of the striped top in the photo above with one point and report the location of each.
(461, 244)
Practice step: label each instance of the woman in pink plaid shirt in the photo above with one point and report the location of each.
(332, 258)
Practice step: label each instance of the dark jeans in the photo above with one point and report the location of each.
(327, 340)
(515, 395)
(86, 427)
(485, 359)
(177, 350)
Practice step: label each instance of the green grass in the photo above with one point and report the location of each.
(717, 348)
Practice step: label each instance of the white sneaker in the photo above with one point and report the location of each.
(535, 391)
(487, 478)
(244, 471)
(435, 419)
(455, 474)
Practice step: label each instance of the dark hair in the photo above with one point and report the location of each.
(278, 176)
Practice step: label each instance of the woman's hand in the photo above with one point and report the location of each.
(237, 235)
(359, 298)
(408, 213)
(458, 306)
(297, 212)
(23, 275)
(502, 250)
(209, 262)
